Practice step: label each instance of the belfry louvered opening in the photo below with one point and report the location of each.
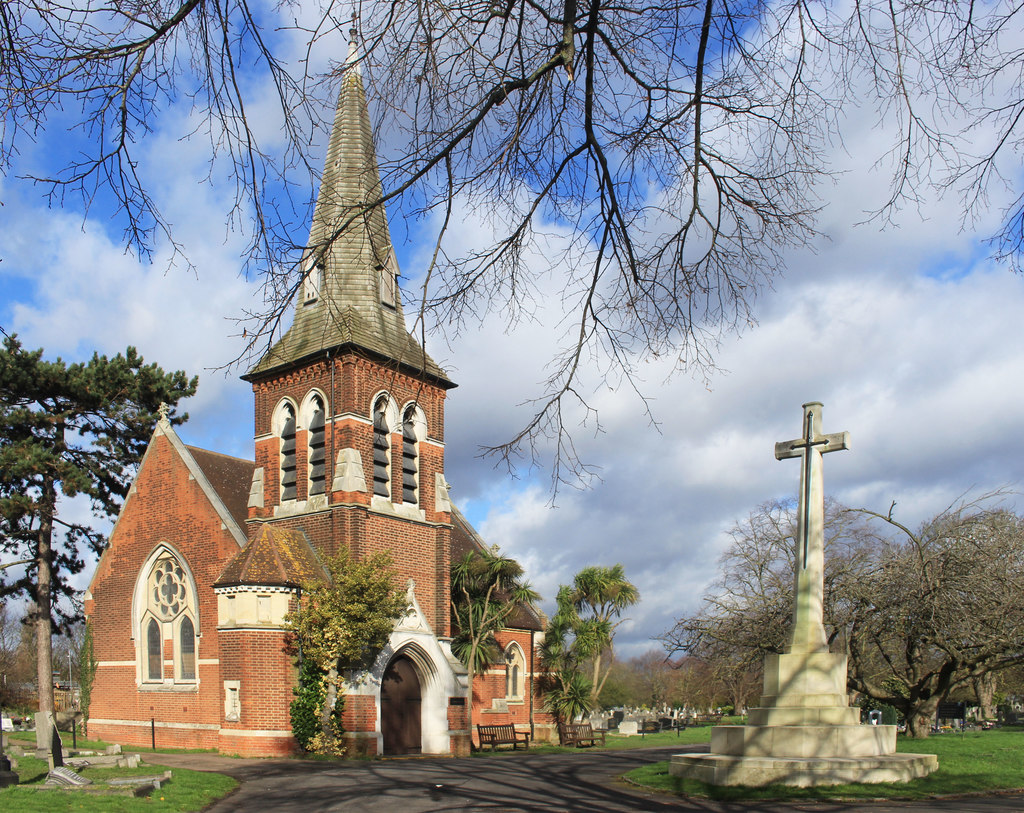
(289, 474)
(381, 451)
(410, 462)
(317, 449)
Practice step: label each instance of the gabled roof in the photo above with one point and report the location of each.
(275, 557)
(352, 242)
(224, 481)
(465, 540)
(230, 477)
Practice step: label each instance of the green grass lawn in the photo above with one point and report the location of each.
(186, 790)
(977, 761)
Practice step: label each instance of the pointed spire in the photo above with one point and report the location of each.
(350, 293)
(352, 61)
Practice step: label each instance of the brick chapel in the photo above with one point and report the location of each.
(208, 554)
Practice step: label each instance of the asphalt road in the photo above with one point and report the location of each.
(556, 782)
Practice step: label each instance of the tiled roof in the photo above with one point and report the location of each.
(353, 243)
(465, 540)
(277, 556)
(230, 478)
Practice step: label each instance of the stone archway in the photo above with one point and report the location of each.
(401, 708)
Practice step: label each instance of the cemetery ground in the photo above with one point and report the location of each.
(186, 790)
(976, 762)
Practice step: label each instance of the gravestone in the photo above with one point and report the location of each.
(804, 732)
(65, 776)
(7, 776)
(56, 756)
(629, 727)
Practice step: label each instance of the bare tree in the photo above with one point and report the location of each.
(677, 144)
(748, 609)
(943, 607)
(920, 613)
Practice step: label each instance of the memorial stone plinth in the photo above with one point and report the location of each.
(805, 732)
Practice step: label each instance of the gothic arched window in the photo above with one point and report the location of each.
(410, 458)
(187, 649)
(317, 460)
(166, 612)
(381, 450)
(515, 671)
(154, 651)
(289, 475)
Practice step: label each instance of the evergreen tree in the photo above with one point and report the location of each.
(68, 430)
(341, 626)
(486, 589)
(86, 674)
(581, 633)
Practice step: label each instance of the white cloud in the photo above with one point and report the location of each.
(910, 341)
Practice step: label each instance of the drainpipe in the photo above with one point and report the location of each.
(329, 462)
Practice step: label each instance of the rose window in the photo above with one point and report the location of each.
(168, 586)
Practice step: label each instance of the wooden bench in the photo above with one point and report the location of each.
(502, 734)
(579, 734)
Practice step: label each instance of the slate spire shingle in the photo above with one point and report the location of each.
(354, 299)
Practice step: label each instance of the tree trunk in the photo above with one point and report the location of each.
(44, 596)
(469, 700)
(595, 685)
(985, 689)
(921, 717)
(330, 700)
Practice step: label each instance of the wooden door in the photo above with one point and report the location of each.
(400, 708)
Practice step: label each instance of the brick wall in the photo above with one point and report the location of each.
(165, 506)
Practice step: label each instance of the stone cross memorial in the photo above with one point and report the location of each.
(804, 731)
(808, 634)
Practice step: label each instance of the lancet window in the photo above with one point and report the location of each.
(289, 465)
(410, 458)
(381, 450)
(515, 671)
(317, 460)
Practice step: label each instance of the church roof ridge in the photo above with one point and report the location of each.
(193, 448)
(349, 295)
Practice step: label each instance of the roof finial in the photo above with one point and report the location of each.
(353, 42)
(164, 411)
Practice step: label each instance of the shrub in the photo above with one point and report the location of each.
(305, 708)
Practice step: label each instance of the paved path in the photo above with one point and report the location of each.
(551, 783)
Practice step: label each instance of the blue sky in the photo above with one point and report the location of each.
(909, 335)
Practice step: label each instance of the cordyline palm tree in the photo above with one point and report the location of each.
(582, 630)
(567, 690)
(486, 590)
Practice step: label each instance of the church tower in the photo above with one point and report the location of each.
(349, 409)
(209, 552)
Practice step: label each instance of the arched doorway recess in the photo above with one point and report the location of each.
(401, 708)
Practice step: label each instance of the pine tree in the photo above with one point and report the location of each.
(68, 430)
